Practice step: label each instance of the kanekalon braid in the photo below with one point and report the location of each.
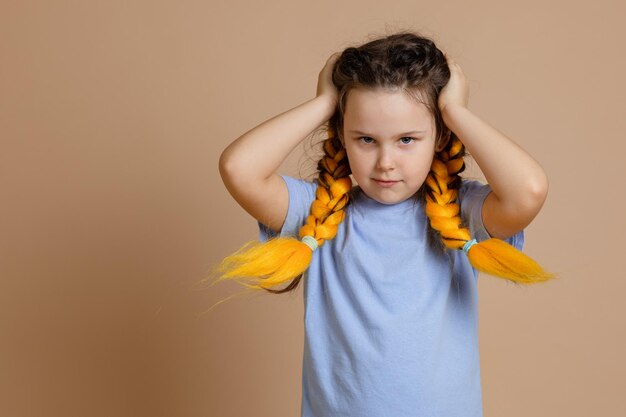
(332, 195)
(442, 188)
(492, 256)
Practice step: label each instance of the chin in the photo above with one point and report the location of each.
(387, 200)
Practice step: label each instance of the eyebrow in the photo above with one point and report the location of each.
(413, 132)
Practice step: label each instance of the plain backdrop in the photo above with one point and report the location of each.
(113, 115)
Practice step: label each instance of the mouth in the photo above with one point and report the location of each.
(385, 183)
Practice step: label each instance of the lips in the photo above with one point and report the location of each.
(385, 183)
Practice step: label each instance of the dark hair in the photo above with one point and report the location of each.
(404, 61)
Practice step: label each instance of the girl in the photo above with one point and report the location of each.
(390, 265)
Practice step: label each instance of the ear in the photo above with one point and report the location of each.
(443, 141)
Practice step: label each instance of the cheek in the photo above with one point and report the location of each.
(358, 166)
(352, 158)
(426, 165)
(358, 160)
(419, 164)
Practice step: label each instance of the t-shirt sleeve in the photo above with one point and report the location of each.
(301, 196)
(472, 195)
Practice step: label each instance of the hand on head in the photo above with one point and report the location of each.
(456, 91)
(325, 84)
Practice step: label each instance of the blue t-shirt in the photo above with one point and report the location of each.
(391, 324)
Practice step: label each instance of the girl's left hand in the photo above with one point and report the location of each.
(456, 91)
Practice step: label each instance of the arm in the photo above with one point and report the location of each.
(519, 184)
(248, 165)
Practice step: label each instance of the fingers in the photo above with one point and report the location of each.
(333, 58)
(452, 64)
(330, 62)
(449, 58)
(324, 82)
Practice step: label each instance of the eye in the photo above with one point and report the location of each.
(407, 140)
(366, 139)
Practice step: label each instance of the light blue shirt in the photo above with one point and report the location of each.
(391, 324)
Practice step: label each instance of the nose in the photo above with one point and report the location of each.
(385, 159)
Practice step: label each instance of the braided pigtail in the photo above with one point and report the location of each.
(332, 195)
(492, 256)
(284, 259)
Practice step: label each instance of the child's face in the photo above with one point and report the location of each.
(378, 126)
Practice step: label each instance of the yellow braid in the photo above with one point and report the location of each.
(492, 256)
(284, 259)
(332, 195)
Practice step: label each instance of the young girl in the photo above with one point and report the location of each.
(389, 266)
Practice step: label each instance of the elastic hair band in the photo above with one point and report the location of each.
(310, 241)
(468, 245)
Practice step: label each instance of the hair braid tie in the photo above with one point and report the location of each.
(310, 242)
(492, 256)
(468, 245)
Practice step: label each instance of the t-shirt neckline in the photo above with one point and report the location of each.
(368, 203)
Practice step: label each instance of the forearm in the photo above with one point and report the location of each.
(515, 177)
(258, 153)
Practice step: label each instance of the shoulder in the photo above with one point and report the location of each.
(472, 197)
(298, 185)
(301, 194)
(473, 187)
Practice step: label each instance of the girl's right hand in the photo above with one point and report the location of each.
(325, 86)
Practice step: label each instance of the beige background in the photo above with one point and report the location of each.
(112, 118)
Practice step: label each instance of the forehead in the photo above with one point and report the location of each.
(375, 109)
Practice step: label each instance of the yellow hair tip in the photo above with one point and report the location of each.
(498, 258)
(264, 265)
